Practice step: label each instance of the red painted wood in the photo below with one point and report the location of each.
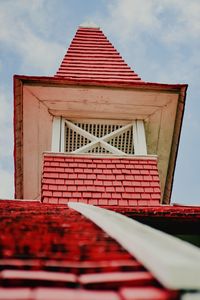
(91, 56)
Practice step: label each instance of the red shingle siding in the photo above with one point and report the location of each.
(91, 56)
(100, 181)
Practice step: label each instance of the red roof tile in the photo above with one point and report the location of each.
(72, 294)
(92, 57)
(44, 278)
(105, 280)
(167, 211)
(16, 294)
(94, 180)
(147, 293)
(44, 245)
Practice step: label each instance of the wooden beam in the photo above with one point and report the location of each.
(62, 135)
(86, 148)
(117, 132)
(111, 149)
(81, 131)
(99, 141)
(139, 138)
(55, 142)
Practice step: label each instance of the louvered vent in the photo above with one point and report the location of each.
(75, 140)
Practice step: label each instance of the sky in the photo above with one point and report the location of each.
(159, 39)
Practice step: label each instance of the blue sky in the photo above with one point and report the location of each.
(159, 39)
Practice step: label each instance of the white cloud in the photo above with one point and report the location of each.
(39, 55)
(186, 22)
(6, 149)
(143, 29)
(6, 132)
(173, 20)
(7, 184)
(130, 17)
(24, 30)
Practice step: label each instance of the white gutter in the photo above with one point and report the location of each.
(175, 263)
(191, 296)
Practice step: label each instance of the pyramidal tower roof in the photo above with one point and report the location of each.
(92, 57)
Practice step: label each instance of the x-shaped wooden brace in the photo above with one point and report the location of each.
(95, 141)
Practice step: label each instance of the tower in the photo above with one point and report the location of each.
(96, 106)
(95, 153)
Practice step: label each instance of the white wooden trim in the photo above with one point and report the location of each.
(81, 131)
(142, 138)
(62, 135)
(95, 141)
(58, 137)
(175, 263)
(106, 155)
(191, 296)
(55, 134)
(139, 138)
(116, 132)
(86, 148)
(110, 148)
(98, 142)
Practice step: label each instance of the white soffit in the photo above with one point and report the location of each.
(75, 102)
(175, 263)
(160, 110)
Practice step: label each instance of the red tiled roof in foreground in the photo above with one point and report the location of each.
(92, 57)
(53, 252)
(100, 181)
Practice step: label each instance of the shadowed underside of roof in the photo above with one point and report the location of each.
(92, 57)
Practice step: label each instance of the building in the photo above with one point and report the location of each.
(95, 154)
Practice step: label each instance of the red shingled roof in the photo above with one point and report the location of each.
(100, 181)
(91, 56)
(46, 254)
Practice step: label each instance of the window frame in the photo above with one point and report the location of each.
(58, 137)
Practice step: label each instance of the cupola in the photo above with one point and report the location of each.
(96, 128)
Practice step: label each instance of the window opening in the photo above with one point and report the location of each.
(102, 137)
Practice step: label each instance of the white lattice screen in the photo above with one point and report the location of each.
(101, 137)
(74, 140)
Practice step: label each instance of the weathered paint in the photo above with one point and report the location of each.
(37, 130)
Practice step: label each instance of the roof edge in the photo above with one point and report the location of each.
(175, 145)
(18, 137)
(100, 83)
